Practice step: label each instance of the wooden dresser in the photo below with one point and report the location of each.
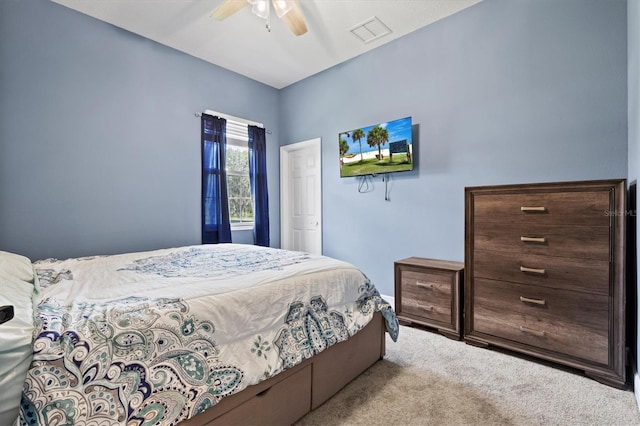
(544, 266)
(428, 292)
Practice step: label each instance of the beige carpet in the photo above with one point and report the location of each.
(427, 379)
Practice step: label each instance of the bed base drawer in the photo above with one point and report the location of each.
(348, 360)
(281, 399)
(283, 403)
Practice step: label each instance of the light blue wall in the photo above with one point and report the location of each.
(99, 145)
(502, 92)
(633, 49)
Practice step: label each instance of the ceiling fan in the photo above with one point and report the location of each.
(287, 10)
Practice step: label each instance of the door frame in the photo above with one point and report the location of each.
(285, 152)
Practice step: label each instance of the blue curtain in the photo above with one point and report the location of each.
(258, 178)
(216, 227)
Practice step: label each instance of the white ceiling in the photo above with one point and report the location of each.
(241, 43)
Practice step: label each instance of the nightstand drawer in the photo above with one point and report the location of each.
(426, 306)
(428, 284)
(576, 324)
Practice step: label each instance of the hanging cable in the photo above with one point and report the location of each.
(268, 26)
(385, 179)
(365, 184)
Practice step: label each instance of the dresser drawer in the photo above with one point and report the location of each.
(586, 242)
(576, 324)
(583, 275)
(588, 208)
(426, 294)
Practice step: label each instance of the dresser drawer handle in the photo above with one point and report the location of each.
(533, 270)
(424, 284)
(531, 331)
(533, 209)
(533, 239)
(536, 301)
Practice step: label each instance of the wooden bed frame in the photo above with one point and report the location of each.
(285, 398)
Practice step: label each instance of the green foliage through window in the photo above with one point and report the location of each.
(238, 184)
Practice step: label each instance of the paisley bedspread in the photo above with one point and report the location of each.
(154, 338)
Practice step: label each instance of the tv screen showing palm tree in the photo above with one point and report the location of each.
(380, 148)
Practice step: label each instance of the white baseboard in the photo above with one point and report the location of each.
(392, 301)
(636, 377)
(636, 386)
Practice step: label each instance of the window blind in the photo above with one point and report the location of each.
(236, 126)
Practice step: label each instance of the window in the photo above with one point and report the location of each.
(241, 203)
(238, 184)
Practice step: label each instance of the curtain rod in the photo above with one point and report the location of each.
(232, 118)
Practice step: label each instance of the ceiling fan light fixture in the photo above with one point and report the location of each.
(282, 7)
(260, 8)
(288, 10)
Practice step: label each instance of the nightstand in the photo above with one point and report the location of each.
(428, 292)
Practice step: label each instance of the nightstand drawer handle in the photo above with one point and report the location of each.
(424, 284)
(536, 301)
(533, 209)
(534, 332)
(533, 270)
(533, 239)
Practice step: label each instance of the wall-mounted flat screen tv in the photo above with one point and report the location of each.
(379, 148)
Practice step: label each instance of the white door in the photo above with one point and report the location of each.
(301, 196)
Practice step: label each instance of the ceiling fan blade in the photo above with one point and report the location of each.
(228, 8)
(295, 20)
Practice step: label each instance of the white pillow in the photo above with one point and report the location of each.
(16, 335)
(17, 266)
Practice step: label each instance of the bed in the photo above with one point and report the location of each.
(210, 334)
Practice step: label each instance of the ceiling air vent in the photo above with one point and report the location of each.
(370, 30)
